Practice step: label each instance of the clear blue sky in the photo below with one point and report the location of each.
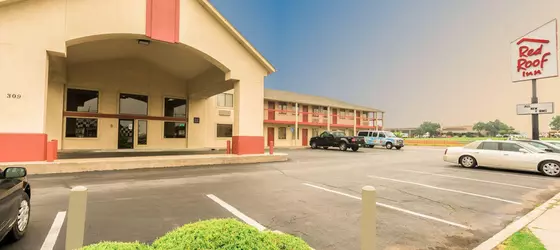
(439, 60)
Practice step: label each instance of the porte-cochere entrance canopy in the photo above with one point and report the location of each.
(139, 72)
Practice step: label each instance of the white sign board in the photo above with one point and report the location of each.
(535, 55)
(535, 108)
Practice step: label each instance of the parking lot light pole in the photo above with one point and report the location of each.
(76, 221)
(368, 231)
(535, 117)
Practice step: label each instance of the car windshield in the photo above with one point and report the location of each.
(390, 134)
(553, 143)
(338, 134)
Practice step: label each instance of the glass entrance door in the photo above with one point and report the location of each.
(126, 134)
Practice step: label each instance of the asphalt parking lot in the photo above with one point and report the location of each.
(423, 202)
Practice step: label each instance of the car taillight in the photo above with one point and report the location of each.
(445, 152)
(353, 139)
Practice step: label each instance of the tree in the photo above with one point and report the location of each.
(496, 126)
(479, 127)
(429, 127)
(555, 123)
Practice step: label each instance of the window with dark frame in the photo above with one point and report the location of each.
(174, 130)
(224, 130)
(174, 107)
(282, 133)
(133, 104)
(80, 100)
(81, 127)
(142, 132)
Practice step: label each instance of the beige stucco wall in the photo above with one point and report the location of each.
(85, 18)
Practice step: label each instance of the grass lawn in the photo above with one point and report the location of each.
(522, 240)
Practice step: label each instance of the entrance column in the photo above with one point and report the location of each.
(249, 116)
(23, 103)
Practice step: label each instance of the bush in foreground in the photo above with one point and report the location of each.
(213, 234)
(226, 234)
(108, 245)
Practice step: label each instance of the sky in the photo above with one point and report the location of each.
(418, 60)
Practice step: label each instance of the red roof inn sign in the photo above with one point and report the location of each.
(535, 55)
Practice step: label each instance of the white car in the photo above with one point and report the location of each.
(504, 154)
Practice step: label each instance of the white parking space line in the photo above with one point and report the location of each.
(236, 212)
(392, 207)
(468, 179)
(495, 171)
(447, 189)
(52, 236)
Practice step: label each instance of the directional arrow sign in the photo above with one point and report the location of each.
(535, 108)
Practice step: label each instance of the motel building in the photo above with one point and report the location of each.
(145, 75)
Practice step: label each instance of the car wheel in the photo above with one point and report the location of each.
(550, 168)
(389, 145)
(398, 148)
(325, 147)
(314, 145)
(22, 220)
(467, 161)
(343, 146)
(355, 148)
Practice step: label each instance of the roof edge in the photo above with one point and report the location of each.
(229, 27)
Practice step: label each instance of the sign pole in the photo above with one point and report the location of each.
(535, 117)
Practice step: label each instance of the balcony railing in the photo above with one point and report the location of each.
(288, 117)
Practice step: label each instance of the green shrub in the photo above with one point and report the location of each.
(107, 245)
(226, 234)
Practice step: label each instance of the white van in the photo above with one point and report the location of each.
(381, 138)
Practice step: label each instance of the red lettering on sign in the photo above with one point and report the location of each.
(530, 66)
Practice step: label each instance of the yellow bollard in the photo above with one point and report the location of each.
(368, 220)
(76, 221)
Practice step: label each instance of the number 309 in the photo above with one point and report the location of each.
(13, 96)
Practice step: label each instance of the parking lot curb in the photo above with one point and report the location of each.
(517, 225)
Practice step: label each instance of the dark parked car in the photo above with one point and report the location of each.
(337, 139)
(546, 146)
(15, 193)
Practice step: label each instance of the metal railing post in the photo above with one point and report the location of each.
(368, 231)
(76, 221)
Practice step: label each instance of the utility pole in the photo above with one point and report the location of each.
(535, 117)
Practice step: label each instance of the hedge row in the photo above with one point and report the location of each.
(212, 234)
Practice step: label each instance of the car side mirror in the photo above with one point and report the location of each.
(522, 150)
(548, 150)
(14, 172)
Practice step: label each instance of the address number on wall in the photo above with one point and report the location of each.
(13, 96)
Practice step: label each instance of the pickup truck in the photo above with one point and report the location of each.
(337, 139)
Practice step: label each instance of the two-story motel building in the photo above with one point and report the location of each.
(141, 75)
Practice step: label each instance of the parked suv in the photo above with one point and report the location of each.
(381, 138)
(15, 193)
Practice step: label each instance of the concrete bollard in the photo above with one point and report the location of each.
(76, 221)
(368, 231)
(271, 147)
(228, 147)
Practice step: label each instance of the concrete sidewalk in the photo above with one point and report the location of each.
(546, 226)
(139, 162)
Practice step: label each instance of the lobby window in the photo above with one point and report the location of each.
(174, 107)
(174, 130)
(225, 100)
(282, 133)
(283, 107)
(81, 127)
(133, 104)
(80, 100)
(224, 130)
(142, 132)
